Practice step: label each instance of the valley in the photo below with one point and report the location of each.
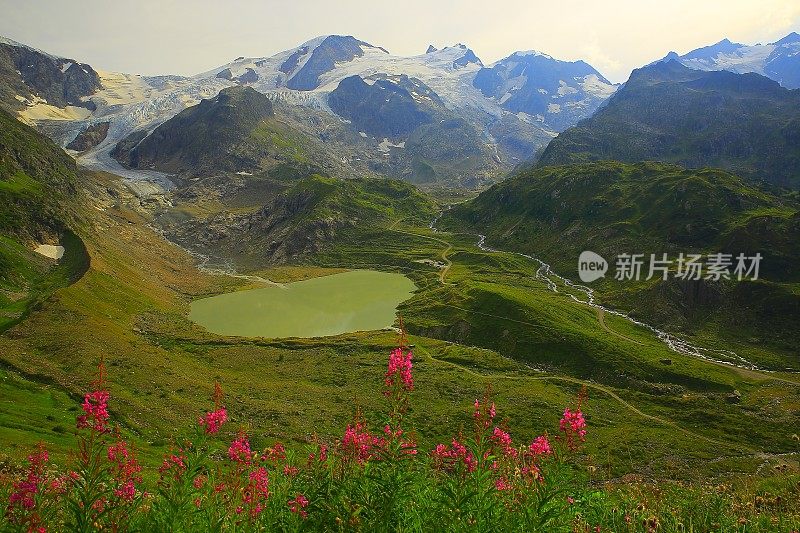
(273, 227)
(549, 340)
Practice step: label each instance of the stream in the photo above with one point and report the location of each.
(545, 274)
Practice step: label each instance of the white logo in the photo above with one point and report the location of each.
(591, 266)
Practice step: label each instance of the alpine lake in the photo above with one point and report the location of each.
(357, 300)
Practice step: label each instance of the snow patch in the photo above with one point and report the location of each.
(593, 85)
(553, 108)
(51, 251)
(533, 53)
(386, 145)
(564, 89)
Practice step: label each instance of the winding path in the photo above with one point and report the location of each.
(589, 384)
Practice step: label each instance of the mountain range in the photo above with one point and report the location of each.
(442, 117)
(778, 61)
(444, 102)
(744, 123)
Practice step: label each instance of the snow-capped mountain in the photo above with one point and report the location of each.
(514, 106)
(779, 61)
(556, 93)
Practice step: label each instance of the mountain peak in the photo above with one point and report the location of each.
(325, 52)
(793, 37)
(535, 53)
(430, 49)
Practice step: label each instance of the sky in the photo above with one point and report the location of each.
(188, 37)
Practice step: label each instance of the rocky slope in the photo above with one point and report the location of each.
(29, 76)
(553, 92)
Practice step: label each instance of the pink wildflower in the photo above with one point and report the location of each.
(257, 490)
(399, 366)
(298, 505)
(126, 470)
(540, 446)
(276, 453)
(503, 439)
(23, 495)
(502, 484)
(213, 421)
(448, 457)
(95, 411)
(173, 463)
(573, 424)
(358, 443)
(239, 450)
(118, 452)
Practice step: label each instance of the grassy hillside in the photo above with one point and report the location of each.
(37, 180)
(744, 123)
(236, 130)
(281, 217)
(131, 307)
(38, 194)
(611, 208)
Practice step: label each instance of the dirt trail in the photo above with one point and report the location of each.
(601, 317)
(590, 385)
(448, 248)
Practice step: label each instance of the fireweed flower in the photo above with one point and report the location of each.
(358, 444)
(540, 446)
(573, 425)
(298, 505)
(126, 471)
(449, 457)
(484, 413)
(276, 453)
(174, 464)
(256, 492)
(95, 411)
(399, 368)
(213, 421)
(502, 484)
(239, 450)
(23, 495)
(407, 446)
(503, 440)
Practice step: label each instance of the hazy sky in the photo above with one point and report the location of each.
(187, 37)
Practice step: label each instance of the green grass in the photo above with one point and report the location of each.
(491, 323)
(33, 412)
(20, 183)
